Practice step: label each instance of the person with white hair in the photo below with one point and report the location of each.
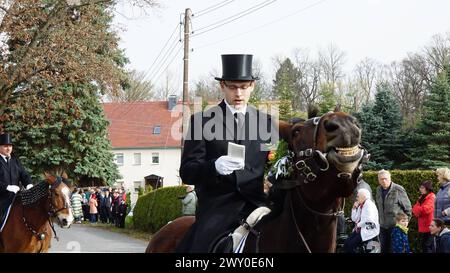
(365, 216)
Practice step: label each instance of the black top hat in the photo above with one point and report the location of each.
(5, 139)
(237, 67)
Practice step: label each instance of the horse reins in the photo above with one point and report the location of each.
(308, 167)
(51, 213)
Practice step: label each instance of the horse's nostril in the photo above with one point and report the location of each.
(330, 126)
(64, 221)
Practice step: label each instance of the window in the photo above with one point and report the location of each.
(157, 130)
(137, 159)
(119, 159)
(137, 185)
(155, 158)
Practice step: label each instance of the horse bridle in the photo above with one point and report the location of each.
(50, 214)
(309, 168)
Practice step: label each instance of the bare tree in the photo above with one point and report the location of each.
(366, 74)
(138, 89)
(167, 87)
(309, 78)
(331, 60)
(437, 53)
(409, 87)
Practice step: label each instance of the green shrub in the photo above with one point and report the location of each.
(155, 209)
(410, 180)
(129, 222)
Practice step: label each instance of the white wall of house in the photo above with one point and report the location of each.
(134, 170)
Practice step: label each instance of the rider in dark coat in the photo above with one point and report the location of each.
(228, 188)
(12, 176)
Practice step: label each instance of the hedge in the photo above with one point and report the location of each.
(411, 181)
(155, 209)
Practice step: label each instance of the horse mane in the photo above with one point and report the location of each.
(313, 111)
(33, 195)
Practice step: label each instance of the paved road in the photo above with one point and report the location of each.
(80, 238)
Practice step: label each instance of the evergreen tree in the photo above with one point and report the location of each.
(285, 86)
(57, 120)
(381, 124)
(70, 135)
(432, 139)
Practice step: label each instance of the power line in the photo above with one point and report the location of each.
(162, 50)
(164, 60)
(213, 7)
(234, 17)
(171, 61)
(264, 25)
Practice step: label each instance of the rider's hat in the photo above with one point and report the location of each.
(5, 139)
(237, 67)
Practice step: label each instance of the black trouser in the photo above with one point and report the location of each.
(427, 242)
(385, 240)
(353, 241)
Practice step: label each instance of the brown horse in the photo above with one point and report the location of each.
(326, 160)
(29, 226)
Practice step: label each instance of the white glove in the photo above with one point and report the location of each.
(225, 165)
(29, 186)
(13, 188)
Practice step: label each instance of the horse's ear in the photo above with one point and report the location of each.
(285, 130)
(337, 108)
(64, 175)
(313, 111)
(49, 178)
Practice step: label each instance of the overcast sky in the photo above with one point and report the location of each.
(385, 30)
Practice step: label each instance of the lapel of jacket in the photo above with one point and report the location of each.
(5, 166)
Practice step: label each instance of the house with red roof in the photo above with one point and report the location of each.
(146, 141)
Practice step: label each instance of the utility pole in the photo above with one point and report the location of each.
(187, 31)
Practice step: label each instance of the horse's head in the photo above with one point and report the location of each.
(327, 152)
(59, 199)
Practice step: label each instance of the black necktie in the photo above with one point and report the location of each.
(240, 119)
(7, 160)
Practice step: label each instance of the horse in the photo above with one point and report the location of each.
(168, 237)
(29, 226)
(326, 162)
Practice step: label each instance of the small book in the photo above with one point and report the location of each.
(236, 150)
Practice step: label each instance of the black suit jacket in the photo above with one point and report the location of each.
(14, 174)
(223, 200)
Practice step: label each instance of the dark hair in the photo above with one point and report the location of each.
(428, 185)
(439, 222)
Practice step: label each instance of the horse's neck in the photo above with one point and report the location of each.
(296, 221)
(320, 229)
(36, 214)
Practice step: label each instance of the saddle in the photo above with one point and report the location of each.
(5, 206)
(235, 241)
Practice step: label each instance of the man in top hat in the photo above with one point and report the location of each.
(228, 188)
(12, 175)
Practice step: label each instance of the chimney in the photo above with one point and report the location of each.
(172, 102)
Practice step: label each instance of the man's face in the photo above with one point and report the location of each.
(434, 230)
(6, 150)
(384, 180)
(237, 93)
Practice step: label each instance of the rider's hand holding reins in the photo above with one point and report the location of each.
(225, 165)
(13, 188)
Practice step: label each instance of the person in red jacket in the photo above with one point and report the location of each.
(423, 211)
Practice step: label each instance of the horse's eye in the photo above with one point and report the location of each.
(296, 132)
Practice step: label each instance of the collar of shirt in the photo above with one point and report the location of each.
(243, 110)
(4, 157)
